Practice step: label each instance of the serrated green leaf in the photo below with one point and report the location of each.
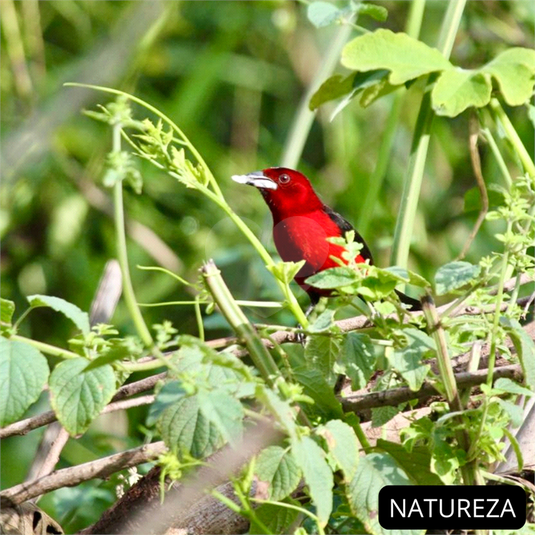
(77, 316)
(454, 275)
(456, 90)
(374, 472)
(321, 353)
(274, 517)
(357, 359)
(314, 384)
(525, 348)
(332, 278)
(317, 473)
(405, 57)
(184, 428)
(170, 393)
(23, 374)
(416, 463)
(507, 385)
(343, 446)
(513, 69)
(7, 308)
(277, 467)
(407, 361)
(224, 411)
(78, 396)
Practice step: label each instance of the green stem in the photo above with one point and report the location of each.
(498, 155)
(240, 324)
(122, 255)
(46, 348)
(420, 144)
(513, 137)
(468, 471)
(497, 312)
(376, 180)
(215, 195)
(304, 118)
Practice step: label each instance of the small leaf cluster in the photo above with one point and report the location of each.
(382, 61)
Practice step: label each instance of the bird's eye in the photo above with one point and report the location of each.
(284, 179)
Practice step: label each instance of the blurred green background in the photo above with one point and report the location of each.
(232, 75)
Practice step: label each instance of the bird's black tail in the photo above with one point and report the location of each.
(413, 303)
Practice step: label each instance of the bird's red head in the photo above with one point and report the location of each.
(287, 192)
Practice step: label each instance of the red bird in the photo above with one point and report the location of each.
(302, 223)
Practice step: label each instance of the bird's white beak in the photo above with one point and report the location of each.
(257, 179)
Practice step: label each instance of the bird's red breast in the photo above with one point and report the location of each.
(302, 223)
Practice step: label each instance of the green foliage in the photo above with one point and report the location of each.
(374, 471)
(77, 395)
(77, 316)
(277, 467)
(388, 60)
(455, 275)
(23, 373)
(209, 396)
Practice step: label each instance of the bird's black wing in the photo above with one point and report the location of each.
(345, 226)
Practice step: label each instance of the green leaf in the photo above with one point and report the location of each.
(525, 348)
(407, 361)
(78, 396)
(286, 271)
(513, 69)
(23, 374)
(277, 467)
(7, 308)
(281, 410)
(343, 446)
(408, 276)
(357, 359)
(332, 278)
(118, 349)
(321, 353)
(379, 13)
(323, 322)
(77, 316)
(507, 385)
(405, 57)
(454, 275)
(515, 412)
(456, 90)
(326, 405)
(170, 393)
(337, 86)
(472, 198)
(318, 476)
(374, 472)
(276, 518)
(184, 428)
(224, 411)
(322, 14)
(416, 463)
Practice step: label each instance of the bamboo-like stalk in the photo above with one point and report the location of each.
(420, 144)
